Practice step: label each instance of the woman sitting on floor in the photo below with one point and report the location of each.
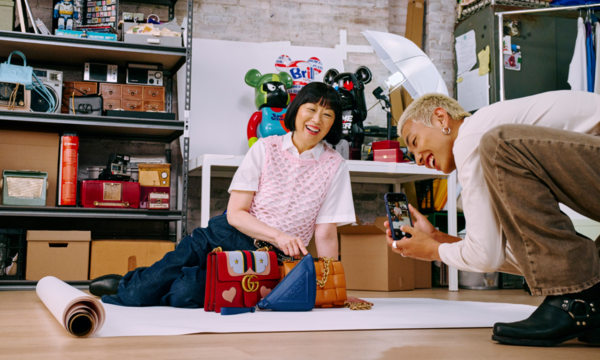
(287, 188)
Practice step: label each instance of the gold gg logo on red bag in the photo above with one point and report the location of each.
(248, 285)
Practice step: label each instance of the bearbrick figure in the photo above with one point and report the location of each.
(302, 72)
(271, 100)
(351, 87)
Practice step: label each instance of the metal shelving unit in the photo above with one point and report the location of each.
(51, 51)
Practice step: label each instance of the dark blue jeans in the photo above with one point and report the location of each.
(179, 278)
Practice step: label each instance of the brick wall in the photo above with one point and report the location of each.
(439, 38)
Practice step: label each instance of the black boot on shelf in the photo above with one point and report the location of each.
(105, 285)
(558, 319)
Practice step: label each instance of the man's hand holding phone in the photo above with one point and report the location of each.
(420, 246)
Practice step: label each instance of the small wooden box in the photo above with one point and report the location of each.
(131, 105)
(133, 92)
(111, 104)
(154, 106)
(154, 93)
(80, 88)
(110, 91)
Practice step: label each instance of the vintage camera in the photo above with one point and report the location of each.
(144, 74)
(100, 72)
(116, 169)
(19, 100)
(53, 81)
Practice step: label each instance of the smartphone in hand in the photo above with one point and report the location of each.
(396, 206)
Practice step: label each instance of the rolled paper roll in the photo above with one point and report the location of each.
(79, 313)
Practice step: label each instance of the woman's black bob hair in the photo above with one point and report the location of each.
(321, 94)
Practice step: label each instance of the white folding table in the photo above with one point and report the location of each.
(370, 172)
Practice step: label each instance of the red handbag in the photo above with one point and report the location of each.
(239, 278)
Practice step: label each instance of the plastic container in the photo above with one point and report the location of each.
(477, 281)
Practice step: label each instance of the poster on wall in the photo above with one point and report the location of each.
(221, 101)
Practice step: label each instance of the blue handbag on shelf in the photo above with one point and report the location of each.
(17, 73)
(24, 75)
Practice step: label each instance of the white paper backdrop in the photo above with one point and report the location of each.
(386, 314)
(221, 102)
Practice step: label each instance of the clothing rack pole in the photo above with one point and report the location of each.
(501, 32)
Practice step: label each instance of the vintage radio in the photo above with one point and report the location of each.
(155, 175)
(19, 100)
(100, 72)
(25, 188)
(110, 194)
(155, 198)
(144, 74)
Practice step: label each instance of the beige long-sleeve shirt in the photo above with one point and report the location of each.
(484, 249)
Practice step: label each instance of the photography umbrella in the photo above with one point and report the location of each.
(399, 54)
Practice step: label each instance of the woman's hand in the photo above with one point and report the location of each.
(352, 299)
(421, 223)
(290, 245)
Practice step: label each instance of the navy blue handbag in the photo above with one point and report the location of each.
(296, 292)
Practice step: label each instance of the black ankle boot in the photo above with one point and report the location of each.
(105, 285)
(557, 320)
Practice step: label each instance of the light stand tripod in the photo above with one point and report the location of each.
(386, 106)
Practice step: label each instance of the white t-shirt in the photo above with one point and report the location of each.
(483, 249)
(338, 206)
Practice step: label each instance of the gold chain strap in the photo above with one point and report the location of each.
(326, 262)
(358, 306)
(13, 98)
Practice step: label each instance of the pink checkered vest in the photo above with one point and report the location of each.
(291, 191)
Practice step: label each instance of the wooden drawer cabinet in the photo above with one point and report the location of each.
(132, 92)
(110, 91)
(131, 105)
(154, 93)
(86, 88)
(80, 88)
(111, 104)
(154, 106)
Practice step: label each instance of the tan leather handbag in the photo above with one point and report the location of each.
(331, 282)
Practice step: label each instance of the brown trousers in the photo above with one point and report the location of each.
(529, 170)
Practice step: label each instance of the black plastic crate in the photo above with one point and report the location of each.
(425, 199)
(12, 243)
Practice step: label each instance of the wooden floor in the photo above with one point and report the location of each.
(28, 331)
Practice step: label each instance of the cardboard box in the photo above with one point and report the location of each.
(28, 150)
(414, 22)
(121, 256)
(369, 263)
(63, 254)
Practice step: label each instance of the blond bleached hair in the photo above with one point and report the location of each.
(421, 110)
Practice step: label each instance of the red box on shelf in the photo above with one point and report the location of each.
(155, 198)
(110, 194)
(387, 155)
(385, 144)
